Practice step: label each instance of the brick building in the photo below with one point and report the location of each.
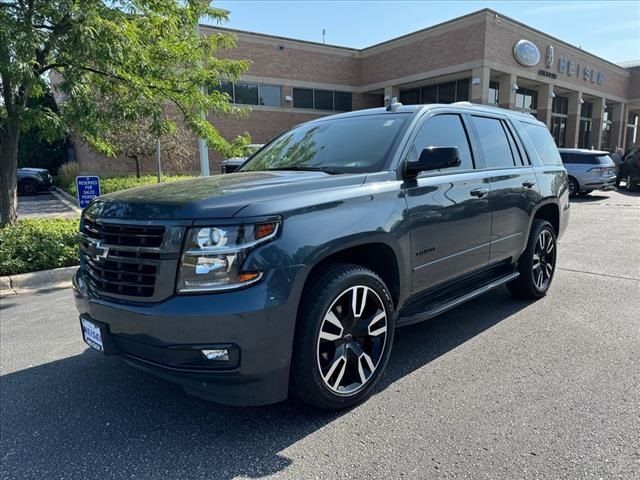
(482, 57)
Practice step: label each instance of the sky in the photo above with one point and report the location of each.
(609, 29)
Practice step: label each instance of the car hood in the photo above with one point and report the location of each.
(220, 196)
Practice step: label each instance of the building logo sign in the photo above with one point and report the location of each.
(573, 69)
(550, 56)
(526, 53)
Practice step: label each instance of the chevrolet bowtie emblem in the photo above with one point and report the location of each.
(97, 252)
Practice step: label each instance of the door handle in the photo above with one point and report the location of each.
(528, 184)
(479, 192)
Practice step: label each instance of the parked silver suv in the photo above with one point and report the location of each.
(588, 170)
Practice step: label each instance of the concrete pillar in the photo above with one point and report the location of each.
(573, 120)
(507, 93)
(390, 92)
(545, 104)
(619, 124)
(597, 119)
(480, 78)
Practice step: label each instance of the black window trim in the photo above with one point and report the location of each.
(503, 119)
(410, 142)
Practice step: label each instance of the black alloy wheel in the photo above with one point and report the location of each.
(343, 337)
(352, 339)
(537, 264)
(544, 260)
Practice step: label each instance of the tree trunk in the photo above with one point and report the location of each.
(137, 160)
(8, 171)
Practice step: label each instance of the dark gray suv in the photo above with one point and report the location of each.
(292, 274)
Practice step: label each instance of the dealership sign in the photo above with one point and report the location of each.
(528, 55)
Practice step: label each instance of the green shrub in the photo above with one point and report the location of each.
(67, 174)
(114, 184)
(38, 244)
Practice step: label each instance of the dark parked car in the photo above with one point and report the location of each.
(588, 170)
(293, 274)
(232, 164)
(630, 169)
(33, 180)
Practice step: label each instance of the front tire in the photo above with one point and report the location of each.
(537, 264)
(343, 337)
(28, 187)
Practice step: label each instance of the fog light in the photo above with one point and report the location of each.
(220, 355)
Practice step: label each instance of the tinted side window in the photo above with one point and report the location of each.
(543, 143)
(493, 142)
(444, 131)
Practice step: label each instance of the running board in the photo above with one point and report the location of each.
(432, 310)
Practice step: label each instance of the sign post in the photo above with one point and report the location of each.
(88, 188)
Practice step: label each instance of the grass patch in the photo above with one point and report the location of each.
(38, 244)
(114, 184)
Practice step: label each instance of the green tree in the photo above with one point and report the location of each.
(34, 150)
(107, 60)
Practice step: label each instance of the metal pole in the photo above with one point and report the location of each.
(202, 144)
(158, 160)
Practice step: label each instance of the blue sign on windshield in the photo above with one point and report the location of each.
(88, 188)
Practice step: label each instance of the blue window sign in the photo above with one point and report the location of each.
(88, 188)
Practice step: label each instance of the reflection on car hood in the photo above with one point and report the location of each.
(220, 196)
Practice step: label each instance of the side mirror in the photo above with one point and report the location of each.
(433, 158)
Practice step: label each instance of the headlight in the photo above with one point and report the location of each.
(213, 256)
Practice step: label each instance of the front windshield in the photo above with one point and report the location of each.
(344, 145)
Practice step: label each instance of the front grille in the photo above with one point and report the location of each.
(127, 235)
(121, 259)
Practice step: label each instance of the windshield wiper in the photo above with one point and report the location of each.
(298, 168)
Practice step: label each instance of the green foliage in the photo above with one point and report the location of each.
(34, 150)
(38, 244)
(114, 184)
(112, 63)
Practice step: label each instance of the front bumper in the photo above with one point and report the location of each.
(166, 338)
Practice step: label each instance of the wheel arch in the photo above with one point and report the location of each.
(375, 254)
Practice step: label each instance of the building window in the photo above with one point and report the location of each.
(322, 99)
(526, 100)
(607, 124)
(560, 105)
(584, 132)
(245, 93)
(342, 101)
(303, 98)
(494, 91)
(632, 129)
(448, 92)
(559, 111)
(270, 95)
(249, 93)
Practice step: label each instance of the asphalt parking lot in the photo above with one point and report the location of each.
(497, 389)
(44, 204)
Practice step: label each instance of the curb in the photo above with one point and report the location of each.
(66, 198)
(34, 281)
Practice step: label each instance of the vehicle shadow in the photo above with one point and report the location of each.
(90, 416)
(588, 198)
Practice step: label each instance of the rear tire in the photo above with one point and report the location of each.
(537, 264)
(574, 187)
(343, 337)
